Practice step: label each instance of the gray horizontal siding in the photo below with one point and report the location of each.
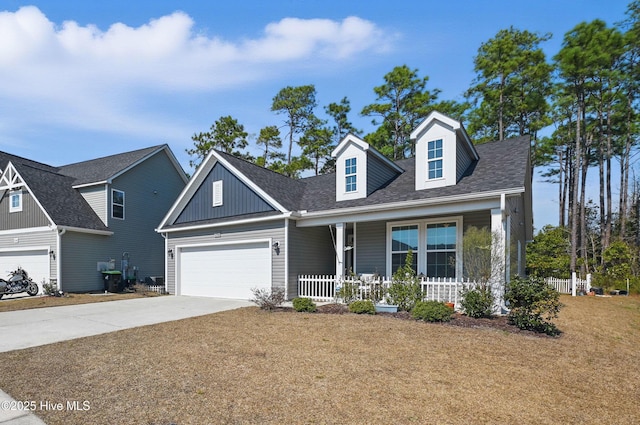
(311, 251)
(81, 253)
(378, 174)
(463, 160)
(97, 200)
(30, 216)
(370, 252)
(478, 219)
(238, 199)
(272, 229)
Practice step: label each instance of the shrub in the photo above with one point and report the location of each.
(304, 304)
(362, 307)
(267, 299)
(534, 304)
(405, 290)
(51, 289)
(349, 290)
(432, 311)
(477, 301)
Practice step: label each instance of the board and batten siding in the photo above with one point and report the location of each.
(311, 252)
(378, 173)
(273, 230)
(97, 200)
(237, 199)
(150, 190)
(30, 216)
(25, 241)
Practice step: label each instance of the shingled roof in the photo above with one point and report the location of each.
(53, 187)
(502, 166)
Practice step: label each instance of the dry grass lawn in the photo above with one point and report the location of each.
(27, 302)
(248, 366)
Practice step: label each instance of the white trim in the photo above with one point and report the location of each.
(350, 138)
(285, 251)
(59, 257)
(422, 241)
(82, 186)
(27, 248)
(27, 230)
(226, 223)
(26, 186)
(82, 230)
(178, 251)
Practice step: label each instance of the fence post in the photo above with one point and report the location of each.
(574, 283)
(588, 288)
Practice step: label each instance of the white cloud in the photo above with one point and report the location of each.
(94, 78)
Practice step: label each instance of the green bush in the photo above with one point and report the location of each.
(405, 289)
(534, 304)
(477, 301)
(304, 304)
(362, 307)
(432, 311)
(349, 290)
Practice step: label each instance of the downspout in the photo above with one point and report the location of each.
(59, 257)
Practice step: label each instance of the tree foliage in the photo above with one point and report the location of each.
(226, 134)
(548, 254)
(297, 105)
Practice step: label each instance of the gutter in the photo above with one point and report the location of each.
(289, 214)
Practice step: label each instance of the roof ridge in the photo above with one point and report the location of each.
(260, 167)
(113, 155)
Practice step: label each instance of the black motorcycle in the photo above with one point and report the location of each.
(19, 281)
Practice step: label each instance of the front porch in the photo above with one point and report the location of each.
(328, 288)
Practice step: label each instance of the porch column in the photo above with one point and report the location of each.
(340, 239)
(498, 257)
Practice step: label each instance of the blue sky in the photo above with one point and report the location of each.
(79, 80)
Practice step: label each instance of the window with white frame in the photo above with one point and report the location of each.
(117, 204)
(441, 249)
(434, 159)
(15, 199)
(403, 239)
(435, 245)
(350, 175)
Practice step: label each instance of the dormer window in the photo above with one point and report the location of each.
(350, 175)
(434, 159)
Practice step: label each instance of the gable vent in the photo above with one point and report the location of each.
(217, 193)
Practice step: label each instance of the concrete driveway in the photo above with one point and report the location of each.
(40, 326)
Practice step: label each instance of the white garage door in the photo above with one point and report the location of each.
(224, 271)
(36, 264)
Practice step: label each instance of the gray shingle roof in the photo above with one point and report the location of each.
(502, 166)
(53, 186)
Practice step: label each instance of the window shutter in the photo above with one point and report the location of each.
(217, 193)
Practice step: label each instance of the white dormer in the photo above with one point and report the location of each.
(443, 151)
(360, 169)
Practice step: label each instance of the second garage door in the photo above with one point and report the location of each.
(224, 271)
(35, 263)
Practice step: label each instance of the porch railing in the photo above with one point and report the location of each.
(324, 287)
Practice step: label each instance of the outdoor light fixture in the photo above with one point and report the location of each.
(52, 254)
(170, 252)
(276, 245)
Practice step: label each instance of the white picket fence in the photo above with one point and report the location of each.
(570, 286)
(324, 287)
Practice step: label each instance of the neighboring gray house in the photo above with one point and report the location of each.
(62, 224)
(237, 226)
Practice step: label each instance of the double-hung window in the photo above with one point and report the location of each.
(350, 175)
(434, 159)
(441, 249)
(117, 204)
(403, 239)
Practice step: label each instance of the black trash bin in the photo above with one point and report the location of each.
(113, 281)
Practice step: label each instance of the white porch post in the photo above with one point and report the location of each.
(340, 239)
(498, 257)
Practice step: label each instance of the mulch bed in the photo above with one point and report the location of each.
(499, 323)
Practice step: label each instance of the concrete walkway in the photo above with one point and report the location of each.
(40, 326)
